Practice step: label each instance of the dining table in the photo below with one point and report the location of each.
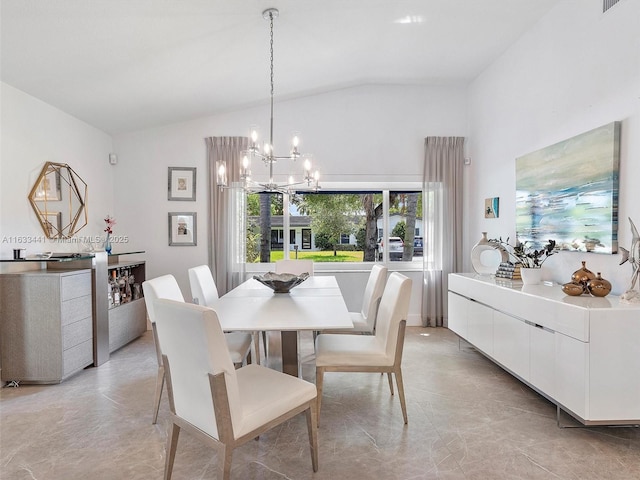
(314, 305)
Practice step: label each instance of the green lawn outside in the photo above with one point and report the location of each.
(321, 256)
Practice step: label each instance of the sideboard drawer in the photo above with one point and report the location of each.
(74, 286)
(76, 309)
(76, 333)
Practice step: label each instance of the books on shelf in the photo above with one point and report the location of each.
(509, 271)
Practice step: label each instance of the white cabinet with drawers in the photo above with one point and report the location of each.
(583, 353)
(46, 325)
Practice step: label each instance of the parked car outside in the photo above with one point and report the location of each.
(417, 246)
(396, 247)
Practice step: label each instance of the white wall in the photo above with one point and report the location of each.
(576, 70)
(373, 133)
(33, 133)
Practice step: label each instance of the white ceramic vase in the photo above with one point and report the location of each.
(485, 257)
(531, 276)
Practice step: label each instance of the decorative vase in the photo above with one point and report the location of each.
(582, 275)
(107, 244)
(531, 276)
(573, 289)
(484, 256)
(599, 287)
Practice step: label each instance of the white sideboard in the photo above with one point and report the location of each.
(582, 353)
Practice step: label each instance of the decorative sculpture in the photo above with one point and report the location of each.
(633, 257)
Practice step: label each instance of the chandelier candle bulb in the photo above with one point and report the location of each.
(222, 174)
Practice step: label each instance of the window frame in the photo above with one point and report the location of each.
(385, 188)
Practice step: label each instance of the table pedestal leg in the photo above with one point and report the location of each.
(290, 352)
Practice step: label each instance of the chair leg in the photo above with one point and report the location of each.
(172, 444)
(312, 427)
(319, 380)
(256, 348)
(158, 394)
(390, 382)
(226, 454)
(264, 343)
(403, 403)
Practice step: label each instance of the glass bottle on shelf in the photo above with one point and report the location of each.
(127, 284)
(115, 288)
(122, 280)
(110, 293)
(132, 281)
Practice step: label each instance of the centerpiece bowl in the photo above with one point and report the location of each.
(281, 282)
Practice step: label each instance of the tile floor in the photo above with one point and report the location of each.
(467, 420)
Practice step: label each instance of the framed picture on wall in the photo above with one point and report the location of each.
(183, 229)
(49, 188)
(53, 224)
(491, 207)
(182, 183)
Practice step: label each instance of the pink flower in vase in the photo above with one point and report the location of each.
(110, 221)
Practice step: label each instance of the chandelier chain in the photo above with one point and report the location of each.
(271, 78)
(271, 49)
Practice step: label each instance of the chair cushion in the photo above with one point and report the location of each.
(350, 350)
(265, 394)
(238, 344)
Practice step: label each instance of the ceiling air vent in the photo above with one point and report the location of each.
(607, 4)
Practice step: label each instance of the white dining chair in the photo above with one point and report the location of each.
(205, 292)
(167, 287)
(219, 405)
(294, 266)
(364, 321)
(203, 287)
(381, 352)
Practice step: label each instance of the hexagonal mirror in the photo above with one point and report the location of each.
(58, 198)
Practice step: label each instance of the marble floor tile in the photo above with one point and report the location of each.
(468, 420)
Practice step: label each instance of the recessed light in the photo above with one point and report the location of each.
(410, 19)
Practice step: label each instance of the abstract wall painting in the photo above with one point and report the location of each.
(568, 192)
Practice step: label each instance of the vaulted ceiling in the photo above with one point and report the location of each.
(122, 65)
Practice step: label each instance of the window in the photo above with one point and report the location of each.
(335, 226)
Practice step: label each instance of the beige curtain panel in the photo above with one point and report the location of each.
(443, 163)
(226, 212)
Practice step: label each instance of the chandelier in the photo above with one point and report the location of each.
(265, 153)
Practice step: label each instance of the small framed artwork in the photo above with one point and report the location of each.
(183, 229)
(182, 183)
(53, 224)
(49, 188)
(491, 207)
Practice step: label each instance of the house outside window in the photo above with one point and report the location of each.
(334, 225)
